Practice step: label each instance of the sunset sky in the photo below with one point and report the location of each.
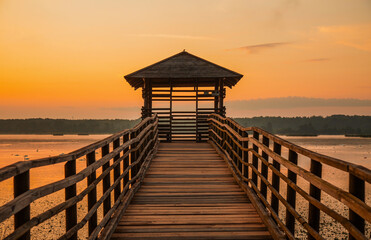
(67, 59)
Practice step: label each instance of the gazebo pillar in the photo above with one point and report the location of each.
(221, 98)
(147, 97)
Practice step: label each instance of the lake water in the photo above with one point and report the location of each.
(15, 148)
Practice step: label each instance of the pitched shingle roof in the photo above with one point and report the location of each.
(182, 68)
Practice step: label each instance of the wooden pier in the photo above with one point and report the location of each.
(189, 193)
(226, 182)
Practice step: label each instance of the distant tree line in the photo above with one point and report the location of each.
(332, 125)
(64, 126)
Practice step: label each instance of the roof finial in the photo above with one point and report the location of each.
(184, 50)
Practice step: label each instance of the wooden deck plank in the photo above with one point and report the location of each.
(189, 193)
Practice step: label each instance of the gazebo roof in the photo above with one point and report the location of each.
(183, 69)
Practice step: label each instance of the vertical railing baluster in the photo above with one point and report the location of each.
(291, 194)
(254, 176)
(314, 212)
(264, 169)
(92, 195)
(276, 178)
(133, 155)
(21, 185)
(240, 153)
(70, 192)
(126, 159)
(106, 181)
(116, 170)
(245, 153)
(357, 189)
(224, 134)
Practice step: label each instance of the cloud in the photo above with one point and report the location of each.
(260, 47)
(354, 36)
(317, 60)
(295, 102)
(190, 37)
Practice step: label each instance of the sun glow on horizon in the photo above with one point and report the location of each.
(72, 55)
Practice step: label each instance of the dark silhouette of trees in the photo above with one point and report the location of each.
(332, 125)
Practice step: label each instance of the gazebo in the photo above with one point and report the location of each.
(186, 78)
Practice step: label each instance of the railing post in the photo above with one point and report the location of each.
(314, 212)
(291, 194)
(21, 185)
(70, 192)
(126, 160)
(224, 135)
(245, 153)
(357, 189)
(254, 176)
(106, 181)
(133, 155)
(92, 195)
(116, 170)
(239, 151)
(276, 178)
(264, 169)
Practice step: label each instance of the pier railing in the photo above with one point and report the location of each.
(125, 157)
(270, 178)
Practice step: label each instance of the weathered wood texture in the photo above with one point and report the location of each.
(140, 148)
(189, 193)
(265, 160)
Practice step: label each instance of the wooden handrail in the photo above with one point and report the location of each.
(140, 141)
(232, 141)
(357, 170)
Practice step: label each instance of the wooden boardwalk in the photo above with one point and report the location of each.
(189, 193)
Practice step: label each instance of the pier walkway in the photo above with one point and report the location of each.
(189, 193)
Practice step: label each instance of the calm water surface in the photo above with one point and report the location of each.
(14, 148)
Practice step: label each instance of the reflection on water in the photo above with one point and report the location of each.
(14, 148)
(352, 149)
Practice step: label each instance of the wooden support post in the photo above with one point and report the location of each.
(221, 97)
(198, 139)
(145, 95)
(21, 184)
(126, 160)
(106, 181)
(133, 155)
(149, 98)
(245, 153)
(357, 189)
(314, 212)
(171, 113)
(254, 176)
(264, 169)
(92, 195)
(275, 178)
(240, 152)
(216, 89)
(291, 194)
(70, 192)
(116, 170)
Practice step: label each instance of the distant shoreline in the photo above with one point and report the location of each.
(349, 126)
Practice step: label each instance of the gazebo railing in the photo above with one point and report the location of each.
(124, 160)
(271, 180)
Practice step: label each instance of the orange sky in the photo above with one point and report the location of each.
(67, 58)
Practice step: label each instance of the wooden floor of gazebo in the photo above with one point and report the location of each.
(189, 193)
